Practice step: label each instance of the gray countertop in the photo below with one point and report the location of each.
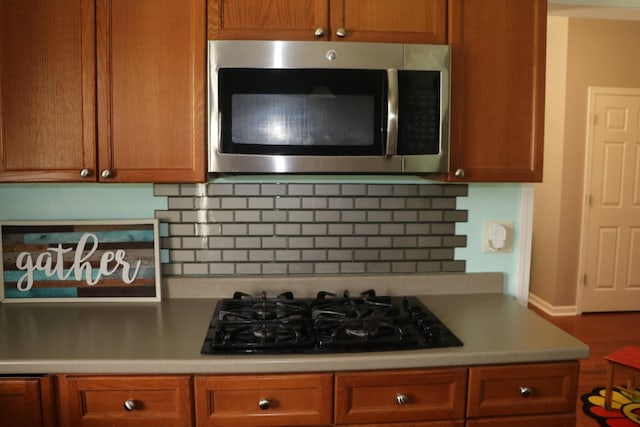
(166, 337)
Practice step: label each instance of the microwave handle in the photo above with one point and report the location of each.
(392, 112)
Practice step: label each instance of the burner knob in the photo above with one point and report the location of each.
(264, 404)
(402, 398)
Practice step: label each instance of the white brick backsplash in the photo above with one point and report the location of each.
(223, 229)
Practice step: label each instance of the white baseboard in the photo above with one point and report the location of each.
(552, 310)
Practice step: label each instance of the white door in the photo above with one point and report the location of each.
(610, 251)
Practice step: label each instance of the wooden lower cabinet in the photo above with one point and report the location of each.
(523, 395)
(264, 400)
(26, 402)
(525, 390)
(125, 401)
(412, 424)
(401, 396)
(561, 420)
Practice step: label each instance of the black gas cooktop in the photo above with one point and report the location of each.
(329, 323)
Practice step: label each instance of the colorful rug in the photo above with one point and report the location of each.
(624, 411)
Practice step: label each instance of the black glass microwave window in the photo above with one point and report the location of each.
(303, 112)
(419, 112)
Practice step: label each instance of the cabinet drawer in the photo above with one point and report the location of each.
(371, 397)
(561, 420)
(264, 400)
(459, 423)
(496, 390)
(102, 400)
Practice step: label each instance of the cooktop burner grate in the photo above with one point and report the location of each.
(329, 323)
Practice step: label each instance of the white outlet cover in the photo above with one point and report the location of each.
(497, 237)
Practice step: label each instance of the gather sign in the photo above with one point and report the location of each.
(80, 260)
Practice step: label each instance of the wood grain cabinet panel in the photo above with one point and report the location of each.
(264, 400)
(266, 20)
(390, 21)
(151, 70)
(556, 420)
(102, 90)
(497, 89)
(400, 396)
(125, 401)
(459, 423)
(26, 402)
(47, 90)
(409, 21)
(545, 388)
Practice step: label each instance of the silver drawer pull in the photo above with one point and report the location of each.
(130, 404)
(525, 391)
(264, 404)
(402, 399)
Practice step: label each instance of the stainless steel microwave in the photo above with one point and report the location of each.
(327, 107)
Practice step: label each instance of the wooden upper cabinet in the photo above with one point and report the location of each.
(409, 21)
(47, 90)
(145, 59)
(151, 85)
(267, 19)
(497, 95)
(390, 21)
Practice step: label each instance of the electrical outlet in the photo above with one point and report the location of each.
(497, 237)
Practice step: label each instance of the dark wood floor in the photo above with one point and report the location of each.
(603, 333)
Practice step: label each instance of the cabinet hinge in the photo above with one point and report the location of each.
(584, 279)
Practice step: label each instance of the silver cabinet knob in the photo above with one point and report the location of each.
(106, 173)
(525, 391)
(319, 32)
(341, 32)
(402, 399)
(84, 173)
(264, 404)
(459, 173)
(130, 404)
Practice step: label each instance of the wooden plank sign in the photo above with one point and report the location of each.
(80, 261)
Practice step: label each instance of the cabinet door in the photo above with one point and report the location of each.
(125, 401)
(400, 396)
(151, 85)
(264, 400)
(268, 19)
(390, 21)
(47, 90)
(497, 98)
(26, 402)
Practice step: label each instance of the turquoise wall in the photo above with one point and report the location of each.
(78, 201)
(485, 202)
(489, 203)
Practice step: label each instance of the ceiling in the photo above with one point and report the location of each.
(594, 12)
